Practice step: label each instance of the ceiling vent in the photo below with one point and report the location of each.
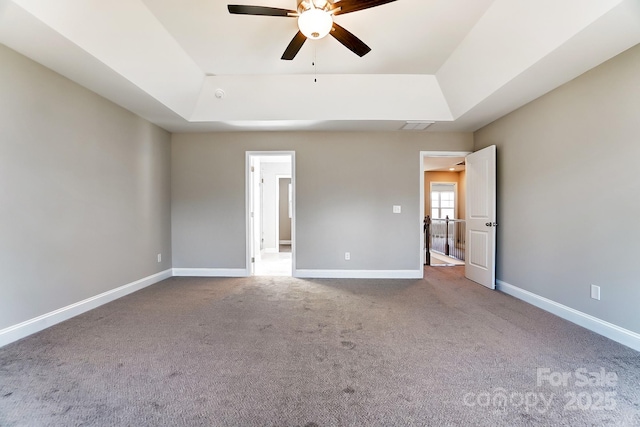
(416, 125)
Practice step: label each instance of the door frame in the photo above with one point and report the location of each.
(424, 154)
(248, 185)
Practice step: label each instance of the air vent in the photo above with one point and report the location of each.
(416, 125)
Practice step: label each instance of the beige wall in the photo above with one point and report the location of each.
(567, 164)
(346, 186)
(84, 193)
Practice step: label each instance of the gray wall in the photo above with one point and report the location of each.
(84, 193)
(346, 185)
(284, 222)
(569, 192)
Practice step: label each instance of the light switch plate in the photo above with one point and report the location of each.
(397, 209)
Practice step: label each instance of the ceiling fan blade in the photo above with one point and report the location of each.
(348, 6)
(350, 41)
(294, 47)
(240, 9)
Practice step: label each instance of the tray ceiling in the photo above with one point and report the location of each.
(191, 66)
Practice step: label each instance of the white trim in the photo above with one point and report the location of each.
(248, 231)
(422, 249)
(210, 272)
(359, 274)
(37, 324)
(599, 326)
(446, 153)
(285, 242)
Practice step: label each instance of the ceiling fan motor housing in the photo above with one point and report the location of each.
(315, 23)
(312, 4)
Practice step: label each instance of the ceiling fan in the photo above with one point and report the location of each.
(315, 21)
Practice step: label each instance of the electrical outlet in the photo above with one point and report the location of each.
(595, 292)
(159, 257)
(347, 256)
(397, 209)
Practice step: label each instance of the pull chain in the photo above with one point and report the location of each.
(315, 69)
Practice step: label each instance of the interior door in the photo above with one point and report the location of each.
(252, 219)
(480, 265)
(255, 212)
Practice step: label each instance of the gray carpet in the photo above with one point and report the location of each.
(290, 352)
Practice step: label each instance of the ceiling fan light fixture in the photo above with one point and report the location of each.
(315, 23)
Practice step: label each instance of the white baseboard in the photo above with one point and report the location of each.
(285, 242)
(359, 274)
(211, 272)
(37, 324)
(599, 326)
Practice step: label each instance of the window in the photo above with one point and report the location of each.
(443, 199)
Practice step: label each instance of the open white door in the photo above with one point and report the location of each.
(480, 254)
(253, 175)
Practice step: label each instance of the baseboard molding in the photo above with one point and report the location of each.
(358, 274)
(285, 242)
(37, 324)
(599, 326)
(211, 272)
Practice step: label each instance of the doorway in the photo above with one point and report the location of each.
(446, 239)
(270, 213)
(480, 210)
(442, 192)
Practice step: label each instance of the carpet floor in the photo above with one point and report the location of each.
(291, 352)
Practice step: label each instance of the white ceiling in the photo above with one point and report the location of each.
(460, 63)
(443, 164)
